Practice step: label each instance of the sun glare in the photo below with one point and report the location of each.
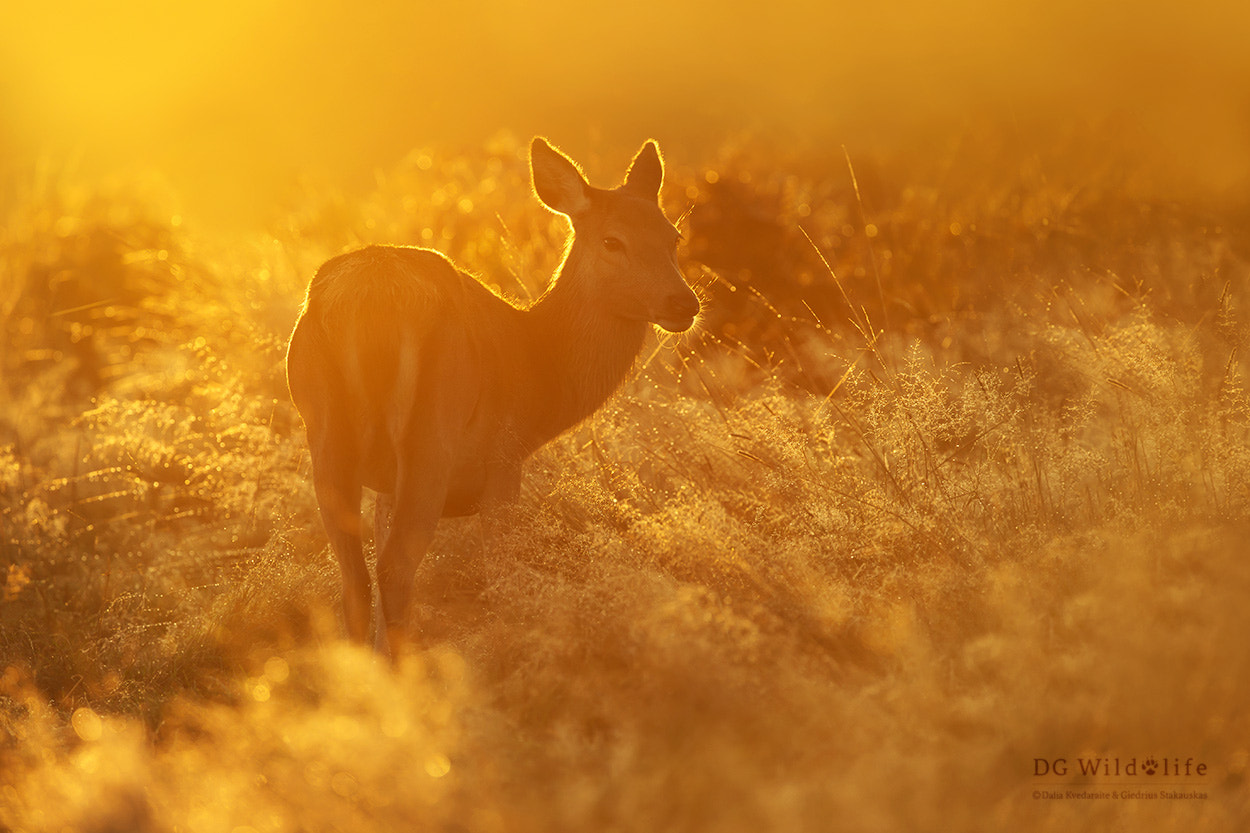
(111, 71)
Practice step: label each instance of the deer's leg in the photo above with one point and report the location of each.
(338, 496)
(319, 396)
(383, 510)
(421, 489)
(411, 534)
(429, 410)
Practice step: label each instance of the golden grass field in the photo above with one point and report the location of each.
(953, 476)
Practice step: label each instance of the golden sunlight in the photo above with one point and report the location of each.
(111, 72)
(237, 102)
(687, 415)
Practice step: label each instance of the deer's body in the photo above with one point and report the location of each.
(418, 382)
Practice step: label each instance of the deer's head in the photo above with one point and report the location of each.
(624, 249)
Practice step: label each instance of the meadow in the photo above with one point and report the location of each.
(953, 477)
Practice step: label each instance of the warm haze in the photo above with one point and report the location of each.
(235, 102)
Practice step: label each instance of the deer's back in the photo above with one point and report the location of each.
(384, 294)
(374, 321)
(384, 288)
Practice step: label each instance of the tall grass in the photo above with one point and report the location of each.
(844, 558)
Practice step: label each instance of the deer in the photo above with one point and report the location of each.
(417, 381)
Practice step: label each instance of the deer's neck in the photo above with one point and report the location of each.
(582, 355)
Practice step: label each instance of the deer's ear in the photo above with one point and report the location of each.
(557, 180)
(646, 172)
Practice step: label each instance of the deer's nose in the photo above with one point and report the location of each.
(678, 310)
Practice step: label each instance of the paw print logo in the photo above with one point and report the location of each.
(1149, 766)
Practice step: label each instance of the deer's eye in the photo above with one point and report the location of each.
(613, 244)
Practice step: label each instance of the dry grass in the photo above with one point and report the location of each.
(954, 477)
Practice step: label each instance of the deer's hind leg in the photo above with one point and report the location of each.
(336, 474)
(431, 410)
(383, 510)
(338, 497)
(420, 492)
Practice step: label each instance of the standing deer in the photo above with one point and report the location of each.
(415, 380)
